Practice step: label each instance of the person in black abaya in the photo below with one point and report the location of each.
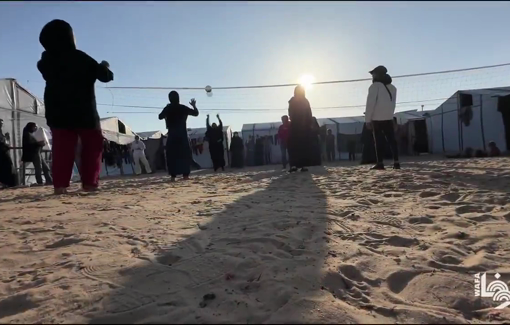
(7, 175)
(316, 144)
(214, 135)
(301, 138)
(259, 151)
(178, 150)
(237, 150)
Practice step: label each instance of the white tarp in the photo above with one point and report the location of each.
(150, 135)
(6, 100)
(443, 122)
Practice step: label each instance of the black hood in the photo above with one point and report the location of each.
(385, 79)
(57, 36)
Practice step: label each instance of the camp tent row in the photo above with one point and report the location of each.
(450, 128)
(344, 129)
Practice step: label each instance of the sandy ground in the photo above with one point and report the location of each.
(334, 245)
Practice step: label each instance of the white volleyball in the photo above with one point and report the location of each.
(208, 89)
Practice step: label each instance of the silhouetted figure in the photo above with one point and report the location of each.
(267, 149)
(32, 154)
(7, 176)
(494, 150)
(70, 105)
(283, 137)
(330, 146)
(237, 151)
(214, 135)
(301, 140)
(178, 150)
(259, 151)
(351, 148)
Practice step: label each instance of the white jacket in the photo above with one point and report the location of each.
(138, 148)
(380, 106)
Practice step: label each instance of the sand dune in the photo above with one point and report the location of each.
(335, 245)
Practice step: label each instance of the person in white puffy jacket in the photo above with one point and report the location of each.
(381, 100)
(138, 150)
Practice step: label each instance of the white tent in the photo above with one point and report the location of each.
(352, 125)
(447, 134)
(117, 131)
(150, 135)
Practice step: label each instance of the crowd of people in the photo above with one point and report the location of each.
(70, 75)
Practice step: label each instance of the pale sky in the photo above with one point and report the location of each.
(194, 44)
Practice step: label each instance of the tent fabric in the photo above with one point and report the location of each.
(448, 135)
(150, 135)
(6, 100)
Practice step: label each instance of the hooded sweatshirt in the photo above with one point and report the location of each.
(382, 96)
(70, 75)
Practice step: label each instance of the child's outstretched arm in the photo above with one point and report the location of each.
(100, 71)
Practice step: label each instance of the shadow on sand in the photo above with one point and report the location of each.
(258, 260)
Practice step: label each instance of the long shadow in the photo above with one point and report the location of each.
(256, 261)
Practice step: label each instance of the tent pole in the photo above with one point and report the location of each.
(459, 123)
(442, 127)
(481, 122)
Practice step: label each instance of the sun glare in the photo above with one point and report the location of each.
(307, 81)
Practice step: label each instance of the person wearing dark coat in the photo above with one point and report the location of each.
(301, 136)
(237, 151)
(259, 151)
(178, 149)
(330, 146)
(7, 176)
(31, 153)
(214, 136)
(70, 105)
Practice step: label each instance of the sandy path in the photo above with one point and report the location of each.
(337, 244)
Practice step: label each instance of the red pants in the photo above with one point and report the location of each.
(64, 150)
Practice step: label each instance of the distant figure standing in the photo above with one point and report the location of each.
(70, 103)
(283, 136)
(178, 150)
(330, 146)
(301, 137)
(380, 108)
(7, 175)
(351, 147)
(237, 151)
(259, 151)
(267, 149)
(138, 150)
(214, 135)
(250, 151)
(32, 154)
(494, 150)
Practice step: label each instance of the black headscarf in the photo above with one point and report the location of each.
(173, 97)
(384, 79)
(57, 36)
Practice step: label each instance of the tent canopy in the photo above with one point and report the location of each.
(150, 135)
(402, 118)
(116, 131)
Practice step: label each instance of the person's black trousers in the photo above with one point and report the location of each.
(384, 133)
(330, 154)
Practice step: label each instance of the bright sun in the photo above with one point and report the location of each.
(307, 81)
